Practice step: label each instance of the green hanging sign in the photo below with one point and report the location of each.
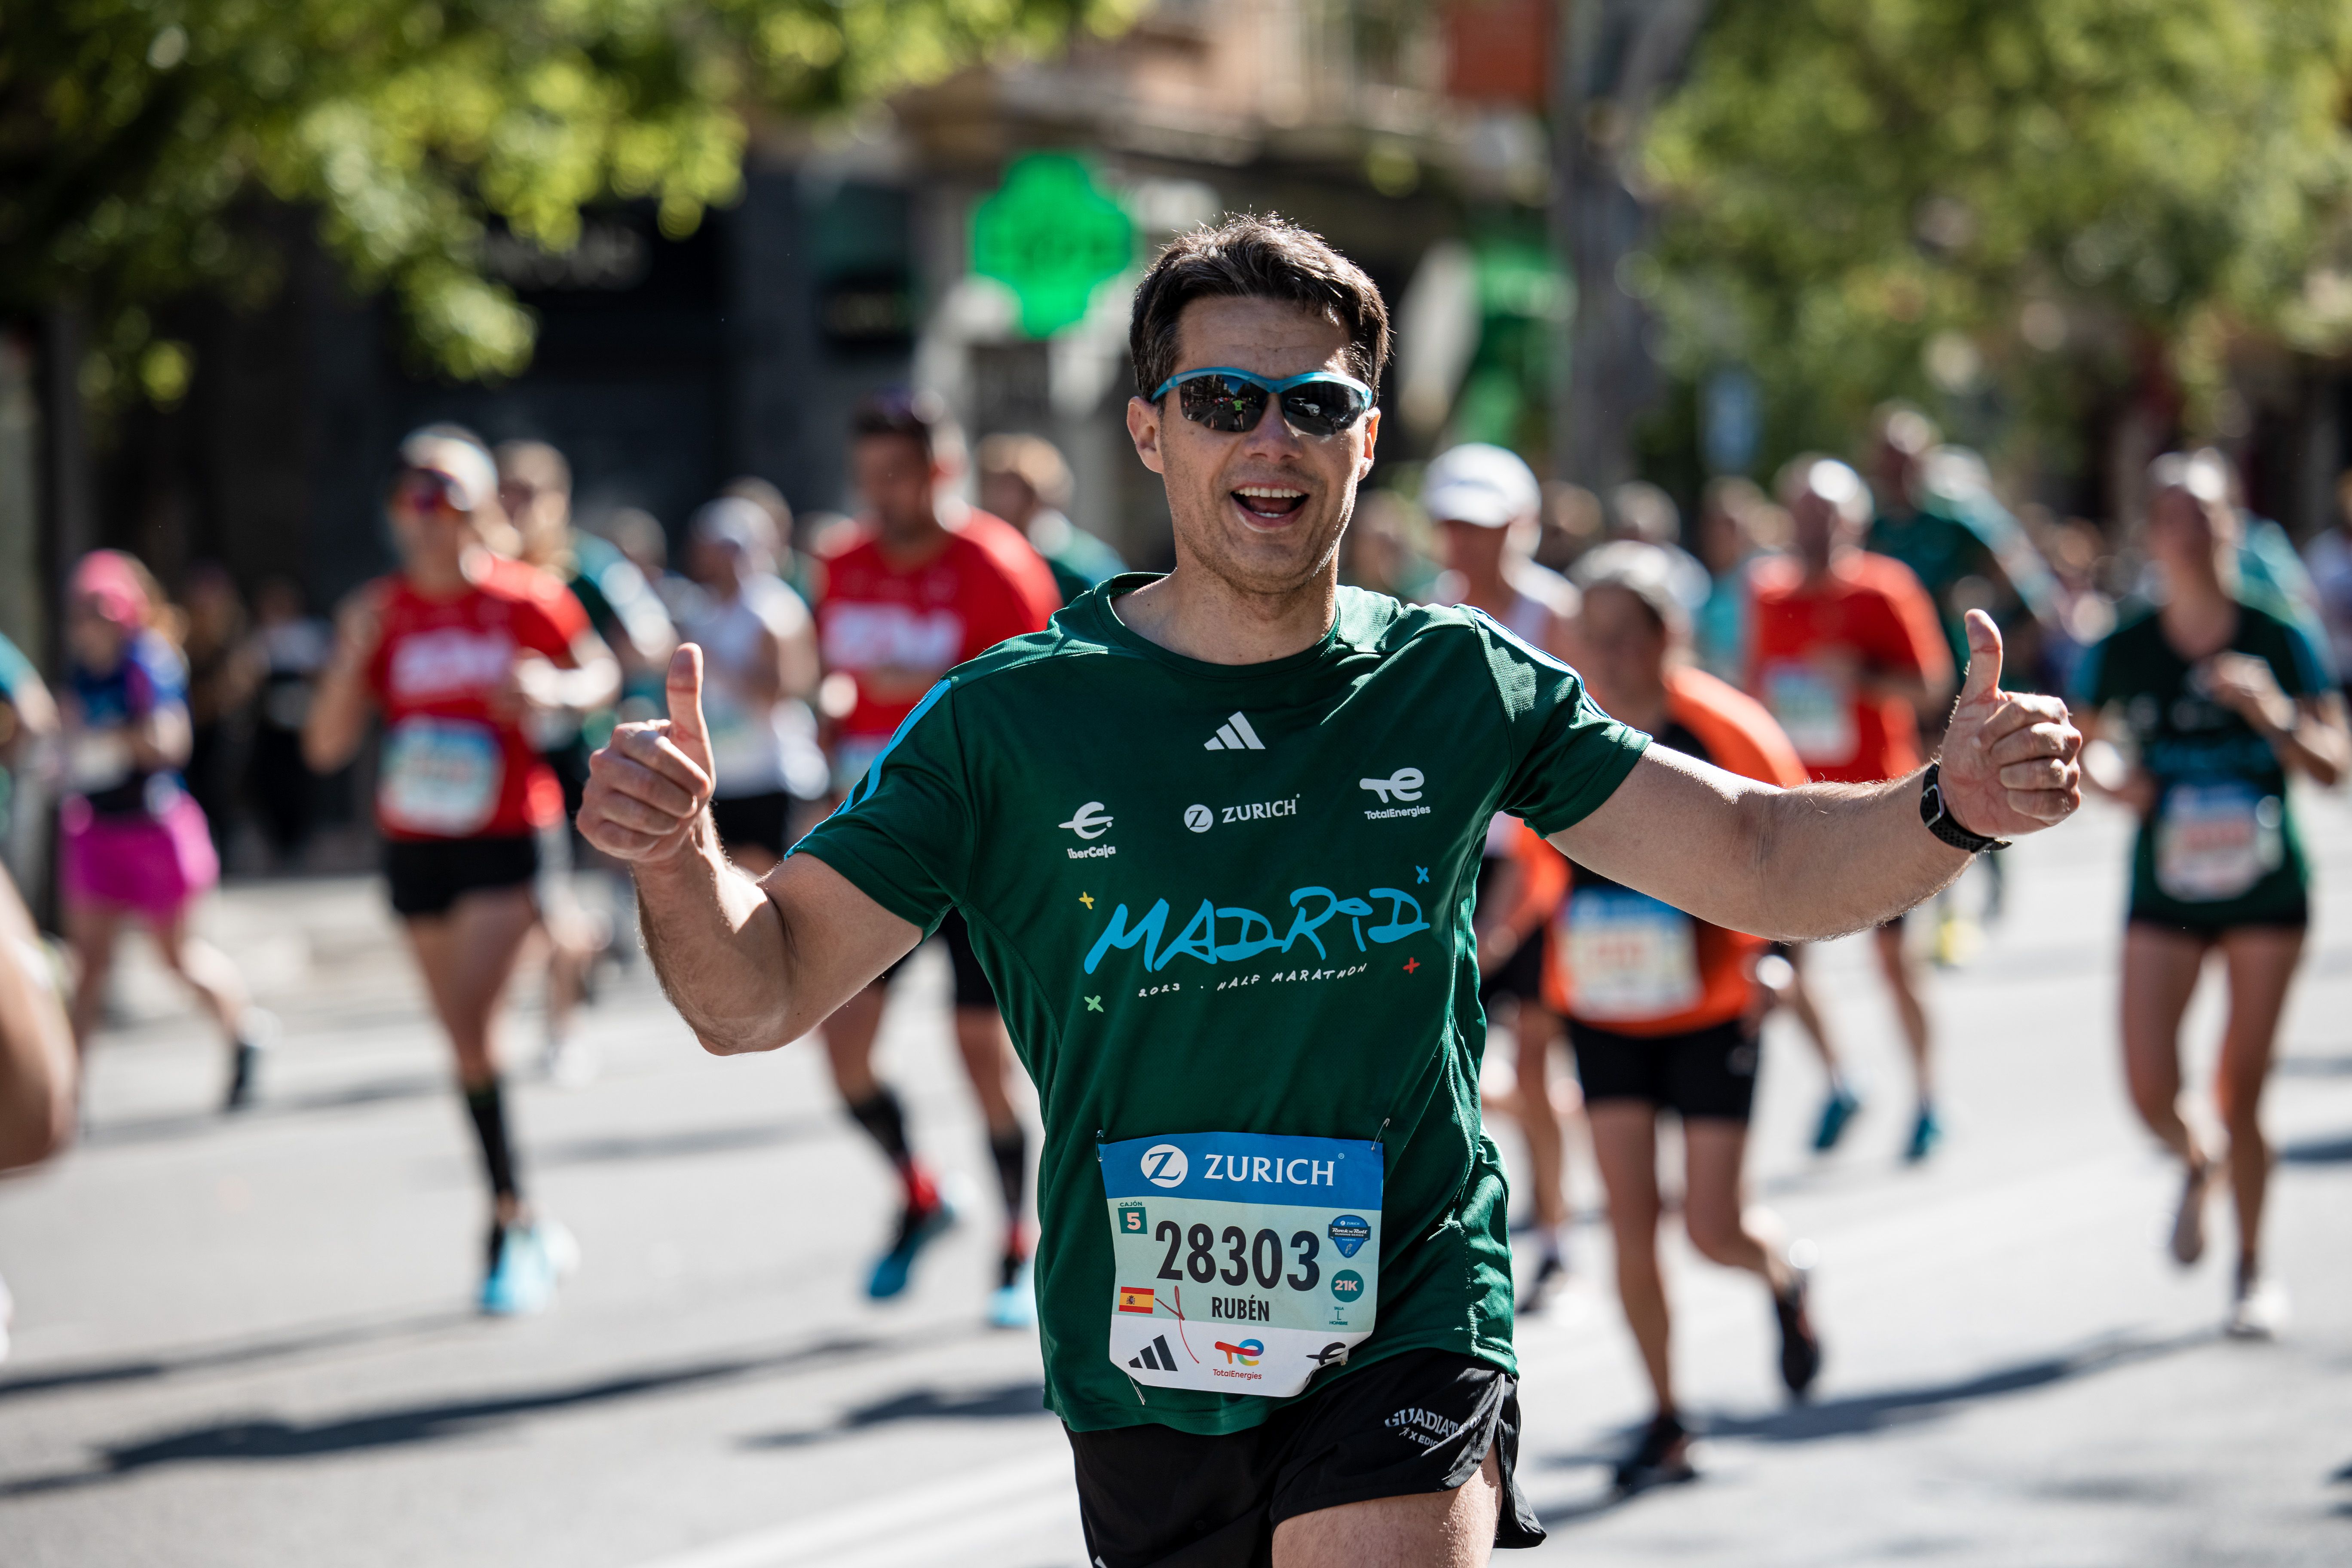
(1052, 235)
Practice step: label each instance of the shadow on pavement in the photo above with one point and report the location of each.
(684, 1143)
(437, 1420)
(194, 1123)
(1002, 1402)
(2318, 1152)
(1864, 1413)
(231, 1355)
(2302, 1065)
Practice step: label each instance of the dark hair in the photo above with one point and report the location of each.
(920, 416)
(1254, 256)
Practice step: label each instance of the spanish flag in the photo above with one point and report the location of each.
(1135, 1298)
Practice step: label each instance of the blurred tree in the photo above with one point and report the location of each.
(2028, 204)
(130, 132)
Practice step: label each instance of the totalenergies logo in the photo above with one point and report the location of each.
(1251, 933)
(1246, 1353)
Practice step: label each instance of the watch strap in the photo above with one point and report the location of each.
(1939, 816)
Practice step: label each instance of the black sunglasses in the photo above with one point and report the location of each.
(1319, 403)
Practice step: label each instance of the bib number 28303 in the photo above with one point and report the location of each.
(1245, 1262)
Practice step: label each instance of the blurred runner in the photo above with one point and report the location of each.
(38, 1065)
(2221, 700)
(800, 572)
(1847, 653)
(221, 682)
(459, 650)
(29, 721)
(1640, 513)
(290, 648)
(1664, 1011)
(133, 841)
(1024, 481)
(928, 583)
(1486, 506)
(760, 667)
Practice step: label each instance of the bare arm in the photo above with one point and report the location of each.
(750, 965)
(36, 1047)
(2306, 733)
(1802, 864)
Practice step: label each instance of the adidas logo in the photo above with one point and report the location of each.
(1166, 1360)
(1235, 735)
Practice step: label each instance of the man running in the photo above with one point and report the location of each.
(1213, 837)
(1486, 504)
(457, 651)
(1024, 481)
(1664, 1011)
(1846, 654)
(927, 583)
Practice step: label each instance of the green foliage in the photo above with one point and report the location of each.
(133, 132)
(2025, 203)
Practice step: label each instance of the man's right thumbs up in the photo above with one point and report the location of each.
(687, 729)
(648, 786)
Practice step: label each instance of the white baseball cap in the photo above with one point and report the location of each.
(1479, 483)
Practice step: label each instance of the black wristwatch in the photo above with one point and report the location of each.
(1939, 816)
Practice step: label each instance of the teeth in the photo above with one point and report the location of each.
(1271, 492)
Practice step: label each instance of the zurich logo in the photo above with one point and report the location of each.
(1164, 1165)
(1403, 785)
(1089, 822)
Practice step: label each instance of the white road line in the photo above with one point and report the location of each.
(884, 1523)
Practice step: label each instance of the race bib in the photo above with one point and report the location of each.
(2215, 841)
(1245, 1262)
(99, 759)
(440, 776)
(1814, 710)
(1631, 957)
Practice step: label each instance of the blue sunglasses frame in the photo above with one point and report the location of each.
(1274, 389)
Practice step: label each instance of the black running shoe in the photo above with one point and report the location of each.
(1551, 1275)
(1801, 1348)
(1661, 1459)
(241, 1076)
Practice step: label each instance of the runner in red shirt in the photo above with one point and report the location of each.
(1847, 651)
(928, 583)
(455, 651)
(1664, 1011)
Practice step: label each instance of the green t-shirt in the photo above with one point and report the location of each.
(2223, 848)
(1221, 897)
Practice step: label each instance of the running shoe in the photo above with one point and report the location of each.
(523, 1279)
(1926, 1132)
(1801, 1348)
(918, 1228)
(1837, 1110)
(571, 1062)
(2260, 1312)
(2189, 1222)
(245, 1071)
(1551, 1277)
(1014, 1304)
(1661, 1459)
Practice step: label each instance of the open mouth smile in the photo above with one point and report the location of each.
(1268, 503)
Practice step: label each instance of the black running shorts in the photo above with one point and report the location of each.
(1709, 1072)
(428, 875)
(755, 820)
(1152, 1497)
(971, 986)
(1521, 975)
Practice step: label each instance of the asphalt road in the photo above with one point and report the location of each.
(250, 1343)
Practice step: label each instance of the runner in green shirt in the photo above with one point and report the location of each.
(1216, 835)
(2221, 700)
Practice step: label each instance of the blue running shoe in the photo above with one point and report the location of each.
(522, 1281)
(1836, 1111)
(1926, 1133)
(918, 1228)
(1013, 1305)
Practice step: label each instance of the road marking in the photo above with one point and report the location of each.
(854, 1533)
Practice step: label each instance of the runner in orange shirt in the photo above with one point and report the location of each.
(1847, 651)
(1664, 1011)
